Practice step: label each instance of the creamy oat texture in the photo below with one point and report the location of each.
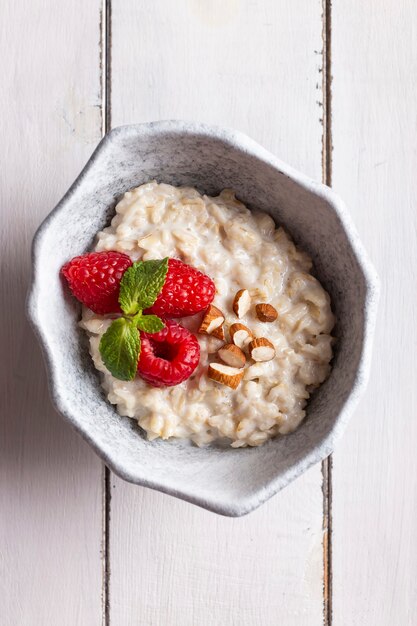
(237, 249)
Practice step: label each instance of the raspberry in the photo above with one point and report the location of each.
(168, 357)
(94, 279)
(186, 291)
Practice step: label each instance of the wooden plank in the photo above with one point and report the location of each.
(50, 481)
(374, 169)
(252, 66)
(172, 563)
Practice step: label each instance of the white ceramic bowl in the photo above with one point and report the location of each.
(227, 481)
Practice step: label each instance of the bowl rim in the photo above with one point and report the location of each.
(241, 142)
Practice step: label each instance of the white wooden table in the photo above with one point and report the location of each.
(330, 89)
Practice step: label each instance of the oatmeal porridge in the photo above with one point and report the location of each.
(284, 307)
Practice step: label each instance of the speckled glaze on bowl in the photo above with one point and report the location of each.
(228, 481)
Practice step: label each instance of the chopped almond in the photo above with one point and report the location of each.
(261, 349)
(241, 303)
(240, 335)
(218, 333)
(266, 312)
(212, 319)
(232, 355)
(225, 375)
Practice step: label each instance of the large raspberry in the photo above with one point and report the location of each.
(186, 291)
(94, 279)
(168, 357)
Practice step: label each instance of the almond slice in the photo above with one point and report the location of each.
(241, 303)
(232, 355)
(212, 319)
(261, 349)
(240, 335)
(218, 333)
(266, 312)
(225, 375)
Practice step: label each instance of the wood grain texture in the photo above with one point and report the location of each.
(254, 66)
(50, 482)
(172, 563)
(374, 61)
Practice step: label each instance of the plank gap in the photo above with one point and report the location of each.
(105, 69)
(327, 148)
(106, 65)
(106, 545)
(327, 541)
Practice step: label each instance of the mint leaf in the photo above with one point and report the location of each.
(141, 285)
(150, 324)
(120, 349)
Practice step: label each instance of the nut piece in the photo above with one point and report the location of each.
(212, 319)
(232, 355)
(261, 349)
(225, 375)
(241, 303)
(218, 333)
(266, 312)
(240, 335)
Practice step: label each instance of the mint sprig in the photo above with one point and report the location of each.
(141, 284)
(120, 349)
(139, 288)
(150, 324)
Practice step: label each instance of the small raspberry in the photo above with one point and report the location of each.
(94, 279)
(168, 357)
(186, 291)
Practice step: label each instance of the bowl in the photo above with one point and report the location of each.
(228, 481)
